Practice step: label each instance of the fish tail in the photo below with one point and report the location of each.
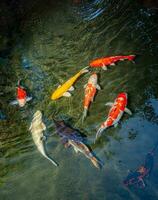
(51, 160)
(96, 162)
(131, 57)
(19, 82)
(99, 132)
(84, 70)
(84, 114)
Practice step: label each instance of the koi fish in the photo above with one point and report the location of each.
(63, 90)
(66, 132)
(105, 61)
(90, 91)
(37, 127)
(71, 137)
(21, 97)
(115, 113)
(82, 148)
(137, 177)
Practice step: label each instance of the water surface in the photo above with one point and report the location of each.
(54, 42)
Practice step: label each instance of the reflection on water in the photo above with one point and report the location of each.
(52, 44)
(90, 10)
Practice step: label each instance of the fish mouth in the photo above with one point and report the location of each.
(123, 95)
(22, 102)
(53, 97)
(37, 114)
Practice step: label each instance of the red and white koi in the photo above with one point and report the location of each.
(21, 97)
(90, 91)
(115, 113)
(111, 60)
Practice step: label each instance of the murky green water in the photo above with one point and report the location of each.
(56, 41)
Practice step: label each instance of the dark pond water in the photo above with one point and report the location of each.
(54, 42)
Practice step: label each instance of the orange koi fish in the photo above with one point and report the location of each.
(105, 61)
(90, 91)
(21, 97)
(115, 113)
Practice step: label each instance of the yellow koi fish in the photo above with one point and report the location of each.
(62, 90)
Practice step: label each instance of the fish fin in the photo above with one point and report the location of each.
(15, 102)
(71, 88)
(98, 87)
(84, 114)
(115, 125)
(59, 86)
(67, 94)
(92, 99)
(128, 111)
(85, 86)
(104, 68)
(43, 126)
(112, 64)
(43, 138)
(18, 83)
(30, 127)
(84, 70)
(99, 132)
(96, 162)
(141, 183)
(51, 160)
(76, 150)
(28, 99)
(109, 104)
(131, 57)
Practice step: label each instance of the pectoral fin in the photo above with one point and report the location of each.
(92, 99)
(104, 68)
(43, 138)
(85, 86)
(67, 94)
(128, 111)
(109, 104)
(28, 99)
(15, 102)
(141, 183)
(115, 125)
(43, 126)
(76, 150)
(71, 88)
(98, 87)
(112, 64)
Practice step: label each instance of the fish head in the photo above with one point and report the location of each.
(22, 102)
(122, 95)
(37, 115)
(93, 79)
(54, 96)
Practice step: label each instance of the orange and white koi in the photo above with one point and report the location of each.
(90, 91)
(21, 97)
(111, 60)
(115, 113)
